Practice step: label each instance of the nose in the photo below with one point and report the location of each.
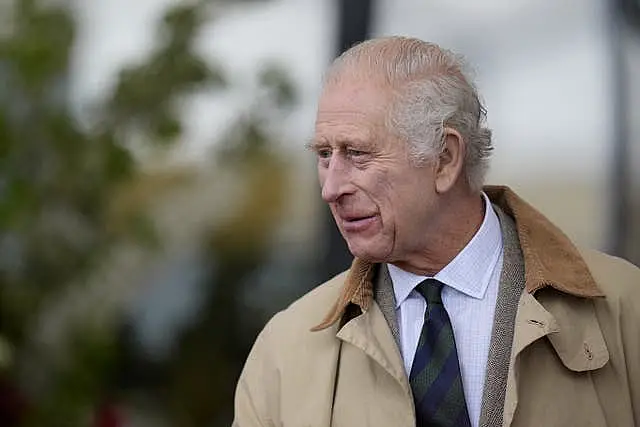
(335, 180)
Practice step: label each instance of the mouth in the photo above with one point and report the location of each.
(357, 224)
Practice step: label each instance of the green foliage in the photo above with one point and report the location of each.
(145, 95)
(62, 211)
(80, 381)
(40, 47)
(58, 179)
(277, 80)
(212, 351)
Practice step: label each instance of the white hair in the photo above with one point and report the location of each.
(431, 92)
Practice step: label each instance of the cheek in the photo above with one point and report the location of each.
(386, 198)
(380, 186)
(391, 193)
(404, 203)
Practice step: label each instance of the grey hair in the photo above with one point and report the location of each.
(431, 92)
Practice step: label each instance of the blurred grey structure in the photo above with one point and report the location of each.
(625, 48)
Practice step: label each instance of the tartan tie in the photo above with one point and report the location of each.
(435, 374)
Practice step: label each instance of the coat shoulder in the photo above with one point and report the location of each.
(616, 277)
(295, 322)
(310, 309)
(286, 357)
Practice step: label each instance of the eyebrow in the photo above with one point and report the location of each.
(316, 144)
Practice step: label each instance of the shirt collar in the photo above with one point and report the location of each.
(470, 271)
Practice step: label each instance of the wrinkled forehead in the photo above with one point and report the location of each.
(357, 93)
(352, 112)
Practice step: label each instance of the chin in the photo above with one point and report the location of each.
(370, 253)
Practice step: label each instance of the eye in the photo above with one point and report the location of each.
(323, 153)
(355, 153)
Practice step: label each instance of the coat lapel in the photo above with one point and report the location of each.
(532, 323)
(370, 333)
(578, 342)
(381, 395)
(570, 325)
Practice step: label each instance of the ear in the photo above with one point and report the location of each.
(450, 161)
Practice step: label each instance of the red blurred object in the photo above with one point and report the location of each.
(109, 415)
(13, 405)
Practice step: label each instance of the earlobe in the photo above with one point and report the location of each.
(450, 161)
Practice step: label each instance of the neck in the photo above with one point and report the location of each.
(460, 217)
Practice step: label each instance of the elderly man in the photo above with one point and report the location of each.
(464, 306)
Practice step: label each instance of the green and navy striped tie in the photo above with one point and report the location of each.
(435, 374)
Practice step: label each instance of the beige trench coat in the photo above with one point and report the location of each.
(575, 358)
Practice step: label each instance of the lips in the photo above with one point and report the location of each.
(346, 217)
(352, 223)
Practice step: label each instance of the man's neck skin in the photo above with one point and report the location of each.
(461, 218)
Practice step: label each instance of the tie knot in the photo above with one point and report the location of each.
(431, 290)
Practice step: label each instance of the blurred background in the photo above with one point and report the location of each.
(157, 204)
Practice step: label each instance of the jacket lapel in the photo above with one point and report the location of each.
(511, 285)
(386, 299)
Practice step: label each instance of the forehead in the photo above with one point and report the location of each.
(352, 109)
(351, 94)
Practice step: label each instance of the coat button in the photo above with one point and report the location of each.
(587, 351)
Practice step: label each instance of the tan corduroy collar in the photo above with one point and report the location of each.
(549, 256)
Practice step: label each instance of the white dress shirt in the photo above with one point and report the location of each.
(471, 288)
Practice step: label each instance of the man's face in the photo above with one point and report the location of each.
(379, 200)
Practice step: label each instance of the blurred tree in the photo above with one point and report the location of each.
(57, 180)
(195, 385)
(70, 194)
(211, 352)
